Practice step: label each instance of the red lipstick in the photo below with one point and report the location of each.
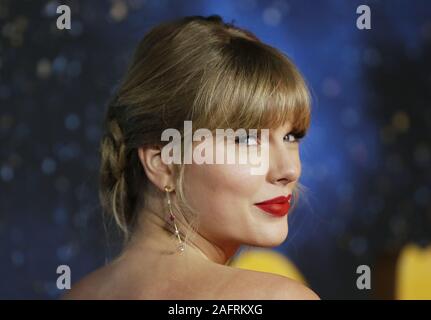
(278, 206)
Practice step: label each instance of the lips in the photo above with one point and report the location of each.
(278, 206)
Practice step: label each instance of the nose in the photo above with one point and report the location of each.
(284, 164)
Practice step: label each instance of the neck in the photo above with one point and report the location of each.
(151, 233)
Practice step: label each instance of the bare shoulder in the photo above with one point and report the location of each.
(288, 289)
(269, 286)
(213, 282)
(94, 286)
(84, 289)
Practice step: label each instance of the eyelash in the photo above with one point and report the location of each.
(297, 136)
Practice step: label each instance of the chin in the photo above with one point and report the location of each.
(273, 238)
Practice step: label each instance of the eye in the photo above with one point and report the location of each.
(293, 137)
(250, 140)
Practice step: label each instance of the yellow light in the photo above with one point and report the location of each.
(266, 260)
(413, 278)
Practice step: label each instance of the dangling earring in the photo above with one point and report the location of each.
(181, 245)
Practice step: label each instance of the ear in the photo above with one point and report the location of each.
(158, 172)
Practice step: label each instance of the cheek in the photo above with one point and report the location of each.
(227, 180)
(219, 191)
(221, 182)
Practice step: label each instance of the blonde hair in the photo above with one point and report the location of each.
(200, 69)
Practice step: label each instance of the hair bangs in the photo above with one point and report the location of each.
(253, 87)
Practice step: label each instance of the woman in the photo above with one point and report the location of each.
(183, 222)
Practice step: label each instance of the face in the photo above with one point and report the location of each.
(224, 195)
